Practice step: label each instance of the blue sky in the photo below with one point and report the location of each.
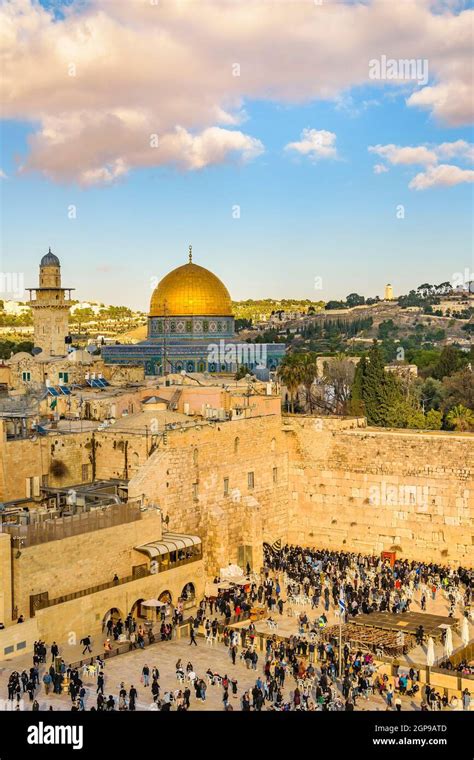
(301, 216)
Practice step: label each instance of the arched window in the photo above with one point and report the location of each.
(236, 445)
(195, 456)
(273, 444)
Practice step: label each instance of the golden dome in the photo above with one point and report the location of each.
(190, 290)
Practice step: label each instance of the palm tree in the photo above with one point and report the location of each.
(308, 373)
(289, 373)
(461, 418)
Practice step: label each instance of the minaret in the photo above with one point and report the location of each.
(50, 308)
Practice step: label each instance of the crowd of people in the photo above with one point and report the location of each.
(368, 583)
(301, 672)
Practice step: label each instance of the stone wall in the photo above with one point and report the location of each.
(60, 458)
(18, 639)
(187, 480)
(5, 579)
(79, 617)
(379, 490)
(95, 557)
(316, 481)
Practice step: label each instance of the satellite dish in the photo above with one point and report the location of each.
(91, 349)
(36, 350)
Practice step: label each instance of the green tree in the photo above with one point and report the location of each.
(387, 328)
(354, 299)
(460, 418)
(356, 402)
(434, 420)
(289, 373)
(431, 393)
(308, 371)
(338, 377)
(380, 390)
(450, 361)
(459, 389)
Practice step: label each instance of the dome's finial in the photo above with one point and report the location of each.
(49, 251)
(190, 254)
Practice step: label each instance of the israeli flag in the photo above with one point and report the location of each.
(342, 604)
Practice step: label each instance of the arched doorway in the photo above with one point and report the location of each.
(165, 597)
(113, 614)
(138, 611)
(188, 593)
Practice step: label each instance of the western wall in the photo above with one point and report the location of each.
(373, 490)
(314, 481)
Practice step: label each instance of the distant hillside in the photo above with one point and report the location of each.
(260, 309)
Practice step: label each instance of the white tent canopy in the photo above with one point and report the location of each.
(153, 603)
(231, 573)
(212, 589)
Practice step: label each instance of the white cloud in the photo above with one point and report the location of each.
(315, 143)
(436, 175)
(2, 174)
(459, 149)
(444, 175)
(451, 102)
(141, 68)
(395, 154)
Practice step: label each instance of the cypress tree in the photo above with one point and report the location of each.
(356, 404)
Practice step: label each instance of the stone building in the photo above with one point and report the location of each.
(50, 307)
(53, 361)
(232, 484)
(78, 367)
(192, 473)
(121, 556)
(191, 329)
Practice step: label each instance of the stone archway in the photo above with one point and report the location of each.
(114, 614)
(188, 593)
(166, 597)
(137, 611)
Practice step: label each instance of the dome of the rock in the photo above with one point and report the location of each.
(190, 290)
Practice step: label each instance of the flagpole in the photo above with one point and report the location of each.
(341, 608)
(340, 643)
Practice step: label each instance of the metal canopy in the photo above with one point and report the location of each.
(170, 542)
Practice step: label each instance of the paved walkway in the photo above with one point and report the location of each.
(127, 667)
(164, 655)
